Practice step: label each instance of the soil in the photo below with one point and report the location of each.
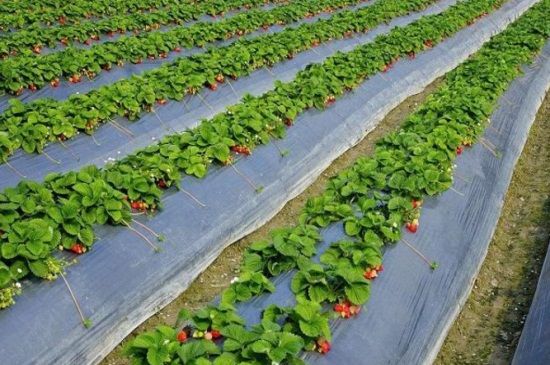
(487, 330)
(219, 274)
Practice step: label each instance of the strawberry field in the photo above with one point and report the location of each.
(139, 139)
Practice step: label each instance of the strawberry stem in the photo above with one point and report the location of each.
(14, 169)
(192, 197)
(258, 189)
(166, 126)
(231, 86)
(70, 150)
(283, 153)
(122, 129)
(484, 143)
(146, 228)
(432, 265)
(204, 101)
(57, 162)
(85, 321)
(461, 177)
(270, 72)
(95, 140)
(155, 248)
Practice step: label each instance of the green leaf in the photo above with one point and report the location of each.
(352, 228)
(358, 294)
(39, 268)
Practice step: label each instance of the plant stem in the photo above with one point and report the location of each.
(70, 150)
(204, 101)
(192, 197)
(231, 86)
(146, 228)
(57, 162)
(432, 265)
(257, 188)
(122, 129)
(155, 248)
(283, 153)
(14, 169)
(85, 321)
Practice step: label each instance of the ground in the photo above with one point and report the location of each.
(488, 328)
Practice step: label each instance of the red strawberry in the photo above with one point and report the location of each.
(467, 143)
(77, 248)
(323, 346)
(370, 274)
(412, 227)
(338, 308)
(219, 78)
(32, 87)
(161, 184)
(379, 268)
(385, 68)
(161, 101)
(37, 49)
(177, 49)
(87, 42)
(64, 41)
(110, 34)
(213, 87)
(289, 122)
(62, 20)
(139, 60)
(215, 334)
(265, 26)
(61, 137)
(182, 336)
(135, 205)
(459, 150)
(95, 37)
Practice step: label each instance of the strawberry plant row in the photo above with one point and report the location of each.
(60, 212)
(372, 197)
(22, 13)
(31, 126)
(34, 72)
(31, 40)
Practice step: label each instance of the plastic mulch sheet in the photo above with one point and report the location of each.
(122, 281)
(534, 343)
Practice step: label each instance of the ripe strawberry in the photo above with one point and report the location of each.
(265, 26)
(77, 248)
(213, 87)
(177, 49)
(338, 308)
(219, 78)
(37, 49)
(379, 268)
(163, 55)
(161, 101)
(32, 87)
(64, 41)
(370, 274)
(135, 205)
(323, 346)
(215, 334)
(385, 68)
(429, 43)
(87, 42)
(110, 34)
(95, 37)
(412, 227)
(62, 20)
(161, 184)
(289, 122)
(139, 60)
(467, 143)
(416, 203)
(61, 137)
(182, 336)
(459, 150)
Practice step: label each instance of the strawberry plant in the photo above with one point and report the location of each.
(423, 141)
(135, 179)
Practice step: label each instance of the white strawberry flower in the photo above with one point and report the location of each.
(18, 285)
(394, 225)
(235, 279)
(19, 271)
